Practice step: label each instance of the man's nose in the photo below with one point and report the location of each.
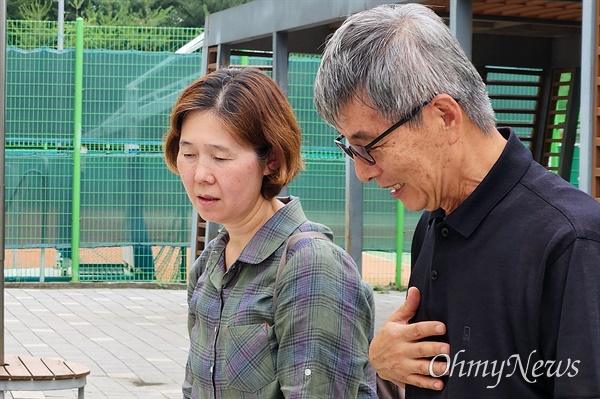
(364, 172)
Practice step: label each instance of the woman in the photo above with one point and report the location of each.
(235, 143)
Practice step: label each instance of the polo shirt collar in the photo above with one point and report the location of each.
(504, 175)
(437, 214)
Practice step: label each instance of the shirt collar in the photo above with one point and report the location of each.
(271, 235)
(437, 214)
(504, 175)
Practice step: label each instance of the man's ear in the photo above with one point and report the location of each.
(451, 115)
(272, 165)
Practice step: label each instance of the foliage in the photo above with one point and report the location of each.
(127, 13)
(28, 35)
(35, 9)
(193, 13)
(76, 5)
(184, 13)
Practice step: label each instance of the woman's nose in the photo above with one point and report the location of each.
(203, 173)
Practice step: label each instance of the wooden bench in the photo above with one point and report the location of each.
(26, 373)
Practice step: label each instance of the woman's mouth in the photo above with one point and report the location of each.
(206, 200)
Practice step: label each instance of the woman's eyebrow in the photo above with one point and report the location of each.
(223, 149)
(219, 148)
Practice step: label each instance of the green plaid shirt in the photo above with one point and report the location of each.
(317, 344)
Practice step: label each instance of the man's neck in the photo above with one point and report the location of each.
(479, 153)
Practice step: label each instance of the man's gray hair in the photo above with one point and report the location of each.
(395, 58)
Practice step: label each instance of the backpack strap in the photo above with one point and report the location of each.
(290, 243)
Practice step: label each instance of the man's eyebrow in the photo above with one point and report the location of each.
(359, 135)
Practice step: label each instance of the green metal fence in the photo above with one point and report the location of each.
(134, 215)
(34, 35)
(135, 219)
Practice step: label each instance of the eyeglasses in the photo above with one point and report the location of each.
(362, 152)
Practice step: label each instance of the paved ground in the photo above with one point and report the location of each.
(134, 340)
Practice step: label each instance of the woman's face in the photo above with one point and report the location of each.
(222, 178)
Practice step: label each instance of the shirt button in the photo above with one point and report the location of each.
(445, 232)
(307, 372)
(211, 369)
(434, 274)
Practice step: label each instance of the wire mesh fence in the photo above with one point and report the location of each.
(322, 186)
(135, 218)
(33, 35)
(134, 214)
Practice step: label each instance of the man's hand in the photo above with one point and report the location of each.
(399, 355)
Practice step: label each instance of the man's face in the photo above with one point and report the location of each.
(409, 162)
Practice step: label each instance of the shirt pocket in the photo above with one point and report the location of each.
(250, 356)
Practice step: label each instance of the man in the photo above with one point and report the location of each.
(504, 298)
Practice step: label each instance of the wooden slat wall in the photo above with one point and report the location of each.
(535, 9)
(212, 59)
(561, 124)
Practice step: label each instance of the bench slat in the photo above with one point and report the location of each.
(15, 370)
(79, 370)
(3, 373)
(37, 368)
(24, 368)
(58, 368)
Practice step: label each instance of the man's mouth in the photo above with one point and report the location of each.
(396, 187)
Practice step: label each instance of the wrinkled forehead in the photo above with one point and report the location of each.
(356, 107)
(358, 120)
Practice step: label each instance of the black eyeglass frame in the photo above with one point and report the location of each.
(351, 151)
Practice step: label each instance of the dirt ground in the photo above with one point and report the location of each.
(376, 269)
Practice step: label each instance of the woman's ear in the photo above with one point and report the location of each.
(272, 165)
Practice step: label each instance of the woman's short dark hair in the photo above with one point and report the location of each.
(255, 112)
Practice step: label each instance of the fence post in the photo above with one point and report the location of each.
(2, 171)
(399, 242)
(77, 150)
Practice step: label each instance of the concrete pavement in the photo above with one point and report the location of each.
(134, 340)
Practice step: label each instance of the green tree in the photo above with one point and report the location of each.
(122, 12)
(193, 13)
(128, 13)
(12, 9)
(35, 9)
(76, 5)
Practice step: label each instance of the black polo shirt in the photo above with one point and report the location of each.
(514, 273)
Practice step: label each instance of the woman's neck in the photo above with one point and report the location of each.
(240, 234)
